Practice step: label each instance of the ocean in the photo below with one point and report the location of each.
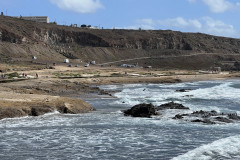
(107, 134)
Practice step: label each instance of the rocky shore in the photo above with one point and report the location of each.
(205, 117)
(49, 92)
(19, 105)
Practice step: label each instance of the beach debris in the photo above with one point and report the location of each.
(93, 62)
(34, 57)
(127, 65)
(66, 60)
(149, 67)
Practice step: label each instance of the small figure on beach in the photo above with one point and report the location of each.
(36, 75)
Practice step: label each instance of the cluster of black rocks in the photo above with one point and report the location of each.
(148, 110)
(210, 117)
(206, 117)
(141, 110)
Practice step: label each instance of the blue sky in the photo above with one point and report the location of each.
(216, 17)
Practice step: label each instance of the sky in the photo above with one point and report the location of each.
(215, 17)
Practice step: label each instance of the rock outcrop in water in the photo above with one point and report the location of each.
(171, 105)
(208, 117)
(141, 110)
(147, 110)
(205, 117)
(183, 90)
(39, 106)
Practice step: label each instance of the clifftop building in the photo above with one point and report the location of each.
(43, 19)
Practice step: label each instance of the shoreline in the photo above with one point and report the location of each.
(47, 93)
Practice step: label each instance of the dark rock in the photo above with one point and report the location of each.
(171, 105)
(199, 112)
(197, 120)
(183, 90)
(40, 110)
(204, 114)
(38, 89)
(141, 110)
(233, 116)
(178, 116)
(207, 117)
(206, 121)
(223, 119)
(51, 67)
(188, 96)
(102, 92)
(213, 111)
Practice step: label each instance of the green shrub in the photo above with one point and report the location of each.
(14, 74)
(116, 74)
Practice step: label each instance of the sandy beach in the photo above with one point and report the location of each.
(62, 88)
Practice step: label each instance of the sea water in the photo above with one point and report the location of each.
(107, 134)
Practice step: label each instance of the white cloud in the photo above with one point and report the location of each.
(217, 27)
(195, 23)
(79, 6)
(180, 22)
(206, 25)
(218, 6)
(141, 23)
(175, 22)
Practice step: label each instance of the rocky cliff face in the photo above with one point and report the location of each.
(60, 42)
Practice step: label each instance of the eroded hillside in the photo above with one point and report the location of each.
(21, 39)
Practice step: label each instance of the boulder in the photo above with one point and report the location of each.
(208, 117)
(171, 105)
(233, 116)
(204, 114)
(178, 116)
(183, 90)
(141, 110)
(206, 121)
(40, 110)
(223, 119)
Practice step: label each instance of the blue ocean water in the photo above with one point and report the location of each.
(106, 134)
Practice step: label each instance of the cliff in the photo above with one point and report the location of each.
(21, 39)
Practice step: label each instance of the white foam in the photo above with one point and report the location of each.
(222, 91)
(163, 93)
(227, 148)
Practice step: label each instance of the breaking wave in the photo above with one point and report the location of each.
(227, 148)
